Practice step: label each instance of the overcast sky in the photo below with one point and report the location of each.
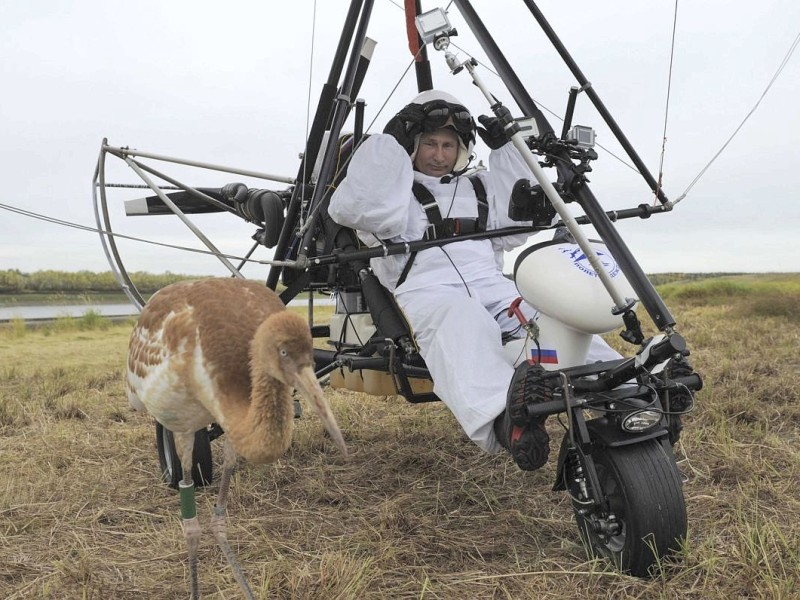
(230, 83)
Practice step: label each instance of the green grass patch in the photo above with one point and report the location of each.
(721, 289)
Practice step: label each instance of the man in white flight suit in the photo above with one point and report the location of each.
(455, 297)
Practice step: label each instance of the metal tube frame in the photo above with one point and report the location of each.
(186, 221)
(104, 224)
(124, 152)
(645, 291)
(595, 99)
(104, 228)
(621, 303)
(341, 110)
(314, 141)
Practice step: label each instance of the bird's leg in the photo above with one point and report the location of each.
(184, 444)
(218, 527)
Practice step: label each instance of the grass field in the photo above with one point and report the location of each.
(417, 511)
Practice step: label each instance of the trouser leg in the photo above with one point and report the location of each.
(460, 338)
(599, 350)
(462, 347)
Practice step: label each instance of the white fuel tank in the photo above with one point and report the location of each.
(558, 280)
(555, 347)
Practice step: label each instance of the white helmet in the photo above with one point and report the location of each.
(445, 110)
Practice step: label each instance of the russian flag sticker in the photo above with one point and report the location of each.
(548, 357)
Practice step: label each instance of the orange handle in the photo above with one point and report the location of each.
(515, 310)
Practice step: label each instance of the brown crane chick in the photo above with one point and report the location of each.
(224, 351)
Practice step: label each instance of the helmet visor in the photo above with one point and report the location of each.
(439, 113)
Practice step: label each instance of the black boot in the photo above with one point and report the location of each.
(526, 439)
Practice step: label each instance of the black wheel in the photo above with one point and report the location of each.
(644, 519)
(171, 472)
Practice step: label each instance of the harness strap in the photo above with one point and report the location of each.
(439, 228)
(406, 269)
(429, 205)
(483, 202)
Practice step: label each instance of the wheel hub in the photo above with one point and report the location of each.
(607, 526)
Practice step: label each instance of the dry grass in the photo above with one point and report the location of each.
(417, 512)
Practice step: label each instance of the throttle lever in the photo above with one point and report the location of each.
(515, 310)
(528, 325)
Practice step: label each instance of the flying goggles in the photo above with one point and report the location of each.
(439, 112)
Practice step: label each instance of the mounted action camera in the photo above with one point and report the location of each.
(581, 136)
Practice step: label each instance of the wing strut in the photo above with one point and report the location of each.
(325, 108)
(647, 294)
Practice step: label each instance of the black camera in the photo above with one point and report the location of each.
(530, 203)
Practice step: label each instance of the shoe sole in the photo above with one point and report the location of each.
(532, 449)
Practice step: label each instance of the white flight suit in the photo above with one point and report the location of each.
(455, 297)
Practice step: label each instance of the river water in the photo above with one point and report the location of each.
(54, 311)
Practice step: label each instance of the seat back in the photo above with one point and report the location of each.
(367, 321)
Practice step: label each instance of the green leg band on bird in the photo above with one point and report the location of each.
(188, 505)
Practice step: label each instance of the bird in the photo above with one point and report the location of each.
(226, 351)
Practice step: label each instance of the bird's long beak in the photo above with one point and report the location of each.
(309, 387)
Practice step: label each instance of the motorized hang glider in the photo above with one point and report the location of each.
(622, 416)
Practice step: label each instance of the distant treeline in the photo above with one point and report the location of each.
(16, 282)
(662, 278)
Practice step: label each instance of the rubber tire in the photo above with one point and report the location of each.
(644, 489)
(171, 471)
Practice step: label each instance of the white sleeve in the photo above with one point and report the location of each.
(506, 166)
(375, 195)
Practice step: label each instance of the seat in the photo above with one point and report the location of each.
(371, 347)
